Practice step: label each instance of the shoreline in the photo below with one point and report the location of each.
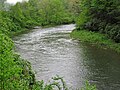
(25, 30)
(95, 38)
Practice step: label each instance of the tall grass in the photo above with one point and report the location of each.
(95, 38)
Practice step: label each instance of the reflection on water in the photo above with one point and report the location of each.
(52, 52)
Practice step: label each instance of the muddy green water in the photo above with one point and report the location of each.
(52, 52)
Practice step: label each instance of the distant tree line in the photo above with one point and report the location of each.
(36, 12)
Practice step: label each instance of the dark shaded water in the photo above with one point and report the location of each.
(52, 52)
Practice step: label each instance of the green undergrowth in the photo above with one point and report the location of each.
(95, 38)
(58, 83)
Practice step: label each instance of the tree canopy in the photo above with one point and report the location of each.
(102, 16)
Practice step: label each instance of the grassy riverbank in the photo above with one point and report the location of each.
(95, 38)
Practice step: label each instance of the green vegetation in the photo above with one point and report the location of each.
(101, 16)
(16, 73)
(101, 21)
(33, 13)
(95, 38)
(89, 87)
(54, 13)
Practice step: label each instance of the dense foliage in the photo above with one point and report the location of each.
(100, 16)
(54, 12)
(15, 73)
(32, 13)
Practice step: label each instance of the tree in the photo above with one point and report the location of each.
(101, 16)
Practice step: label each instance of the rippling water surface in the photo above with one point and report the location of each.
(52, 52)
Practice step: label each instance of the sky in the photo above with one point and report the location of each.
(13, 1)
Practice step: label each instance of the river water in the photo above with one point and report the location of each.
(52, 52)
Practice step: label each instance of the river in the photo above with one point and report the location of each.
(52, 52)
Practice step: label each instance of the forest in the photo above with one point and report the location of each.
(97, 21)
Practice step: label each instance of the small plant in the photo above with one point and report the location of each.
(89, 87)
(58, 83)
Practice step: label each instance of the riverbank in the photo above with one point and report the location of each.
(26, 30)
(95, 38)
(12, 34)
